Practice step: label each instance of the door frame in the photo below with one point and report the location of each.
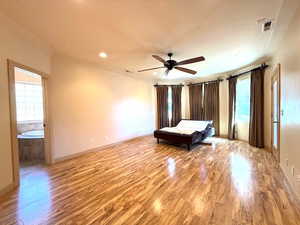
(13, 117)
(276, 76)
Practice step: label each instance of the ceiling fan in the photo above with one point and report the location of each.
(172, 64)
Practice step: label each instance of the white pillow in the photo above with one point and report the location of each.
(193, 124)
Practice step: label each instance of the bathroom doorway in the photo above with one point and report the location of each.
(29, 119)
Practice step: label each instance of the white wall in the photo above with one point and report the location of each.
(91, 107)
(22, 47)
(288, 55)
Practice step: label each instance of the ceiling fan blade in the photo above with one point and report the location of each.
(151, 69)
(159, 58)
(185, 70)
(193, 60)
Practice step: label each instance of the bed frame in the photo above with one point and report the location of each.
(186, 139)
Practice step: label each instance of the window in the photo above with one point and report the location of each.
(243, 99)
(170, 103)
(29, 102)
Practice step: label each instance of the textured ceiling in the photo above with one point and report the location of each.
(224, 31)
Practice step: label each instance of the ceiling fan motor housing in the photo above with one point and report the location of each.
(170, 64)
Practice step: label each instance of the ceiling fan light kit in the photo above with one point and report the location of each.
(172, 64)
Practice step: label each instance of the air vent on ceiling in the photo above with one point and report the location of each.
(267, 26)
(265, 23)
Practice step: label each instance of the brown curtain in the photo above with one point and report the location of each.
(176, 105)
(211, 104)
(256, 127)
(195, 98)
(232, 107)
(162, 106)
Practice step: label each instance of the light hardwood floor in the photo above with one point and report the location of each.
(141, 182)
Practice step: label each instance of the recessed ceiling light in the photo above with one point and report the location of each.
(102, 55)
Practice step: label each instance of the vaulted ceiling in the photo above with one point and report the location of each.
(224, 31)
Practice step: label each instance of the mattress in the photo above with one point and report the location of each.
(177, 130)
(188, 127)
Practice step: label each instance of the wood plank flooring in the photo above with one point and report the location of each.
(141, 182)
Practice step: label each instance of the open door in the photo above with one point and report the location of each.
(29, 117)
(275, 119)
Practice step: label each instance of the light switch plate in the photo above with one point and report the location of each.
(293, 171)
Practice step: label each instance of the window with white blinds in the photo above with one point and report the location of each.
(29, 102)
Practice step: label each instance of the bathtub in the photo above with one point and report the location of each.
(32, 134)
(31, 146)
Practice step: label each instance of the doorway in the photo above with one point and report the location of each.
(275, 117)
(29, 118)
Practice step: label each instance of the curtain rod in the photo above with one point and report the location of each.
(263, 66)
(168, 85)
(206, 82)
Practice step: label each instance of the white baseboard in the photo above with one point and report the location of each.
(291, 184)
(72, 156)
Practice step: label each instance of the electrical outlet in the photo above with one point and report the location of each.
(287, 162)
